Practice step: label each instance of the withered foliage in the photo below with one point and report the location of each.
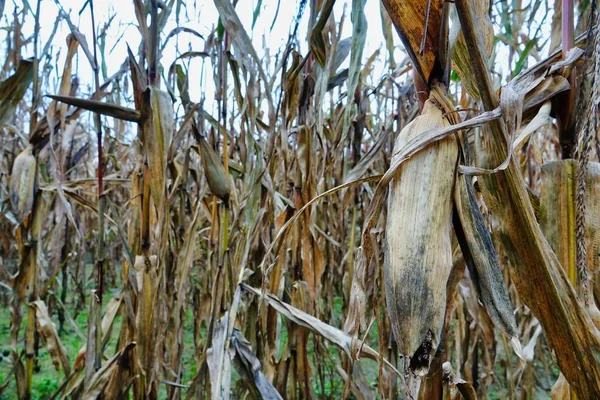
(323, 230)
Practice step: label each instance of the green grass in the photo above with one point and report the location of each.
(47, 380)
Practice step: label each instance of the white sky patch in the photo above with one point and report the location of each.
(202, 17)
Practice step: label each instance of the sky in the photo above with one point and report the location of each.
(200, 15)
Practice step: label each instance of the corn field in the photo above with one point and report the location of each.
(399, 201)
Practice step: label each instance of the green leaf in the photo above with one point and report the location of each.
(256, 13)
(521, 62)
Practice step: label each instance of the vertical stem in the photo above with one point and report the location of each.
(146, 210)
(567, 27)
(33, 229)
(101, 207)
(35, 95)
(566, 128)
(153, 46)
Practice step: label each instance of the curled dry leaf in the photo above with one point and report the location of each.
(418, 24)
(47, 331)
(336, 336)
(249, 366)
(109, 373)
(355, 320)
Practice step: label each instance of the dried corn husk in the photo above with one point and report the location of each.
(219, 180)
(22, 183)
(418, 253)
(47, 331)
(482, 259)
(158, 132)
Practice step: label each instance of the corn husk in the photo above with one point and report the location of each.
(481, 258)
(158, 132)
(418, 253)
(22, 183)
(219, 180)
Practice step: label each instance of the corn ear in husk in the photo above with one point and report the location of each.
(219, 180)
(158, 131)
(482, 260)
(22, 183)
(418, 252)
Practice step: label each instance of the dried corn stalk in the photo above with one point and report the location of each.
(418, 253)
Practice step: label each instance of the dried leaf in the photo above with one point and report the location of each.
(481, 258)
(461, 61)
(101, 379)
(418, 23)
(146, 267)
(241, 40)
(47, 331)
(359, 34)
(219, 362)
(540, 119)
(13, 89)
(336, 336)
(316, 42)
(249, 366)
(111, 110)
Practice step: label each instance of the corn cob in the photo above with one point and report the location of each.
(23, 182)
(418, 253)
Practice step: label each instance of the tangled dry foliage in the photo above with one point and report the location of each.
(328, 233)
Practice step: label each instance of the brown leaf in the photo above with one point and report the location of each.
(336, 336)
(111, 110)
(47, 331)
(109, 371)
(219, 362)
(249, 367)
(418, 23)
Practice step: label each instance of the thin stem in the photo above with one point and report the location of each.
(153, 75)
(567, 27)
(101, 208)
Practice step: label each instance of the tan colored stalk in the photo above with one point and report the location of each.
(552, 299)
